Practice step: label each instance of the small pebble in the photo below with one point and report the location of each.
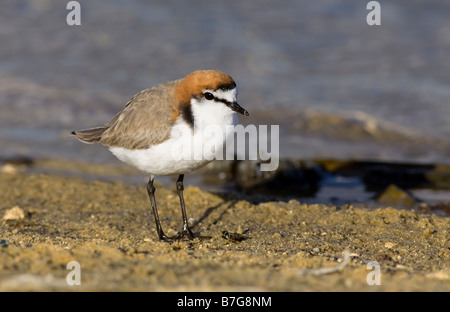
(276, 236)
(235, 237)
(389, 245)
(15, 213)
(8, 168)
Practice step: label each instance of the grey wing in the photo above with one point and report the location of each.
(146, 120)
(90, 136)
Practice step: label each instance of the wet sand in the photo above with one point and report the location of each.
(273, 246)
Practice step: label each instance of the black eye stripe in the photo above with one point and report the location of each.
(210, 97)
(228, 103)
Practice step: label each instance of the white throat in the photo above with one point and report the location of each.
(211, 112)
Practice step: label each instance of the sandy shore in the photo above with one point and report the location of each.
(108, 228)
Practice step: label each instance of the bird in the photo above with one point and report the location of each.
(159, 121)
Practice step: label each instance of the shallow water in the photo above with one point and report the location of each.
(337, 87)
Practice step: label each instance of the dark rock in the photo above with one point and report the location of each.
(395, 196)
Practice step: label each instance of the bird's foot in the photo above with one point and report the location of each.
(164, 237)
(186, 232)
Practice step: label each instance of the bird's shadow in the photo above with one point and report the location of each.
(210, 210)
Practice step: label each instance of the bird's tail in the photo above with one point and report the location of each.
(90, 135)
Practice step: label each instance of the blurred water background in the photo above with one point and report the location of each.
(337, 87)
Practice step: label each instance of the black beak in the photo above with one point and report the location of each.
(237, 108)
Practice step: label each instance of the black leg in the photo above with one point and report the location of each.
(151, 195)
(186, 230)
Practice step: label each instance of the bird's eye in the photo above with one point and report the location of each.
(209, 96)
